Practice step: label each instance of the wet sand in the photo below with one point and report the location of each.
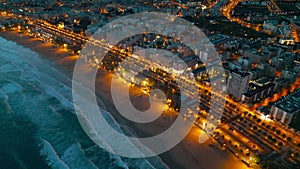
(187, 154)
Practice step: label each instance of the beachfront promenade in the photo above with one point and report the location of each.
(244, 141)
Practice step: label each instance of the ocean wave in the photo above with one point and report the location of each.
(12, 88)
(74, 157)
(39, 76)
(3, 95)
(51, 156)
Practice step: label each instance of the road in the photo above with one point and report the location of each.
(243, 133)
(247, 131)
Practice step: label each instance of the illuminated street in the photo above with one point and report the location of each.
(259, 123)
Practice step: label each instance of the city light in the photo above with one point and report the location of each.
(249, 127)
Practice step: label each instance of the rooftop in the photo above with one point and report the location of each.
(255, 88)
(290, 103)
(242, 74)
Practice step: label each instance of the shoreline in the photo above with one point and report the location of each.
(187, 154)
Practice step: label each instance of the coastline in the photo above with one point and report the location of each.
(188, 154)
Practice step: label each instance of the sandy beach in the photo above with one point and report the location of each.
(188, 154)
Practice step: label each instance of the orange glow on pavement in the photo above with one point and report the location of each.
(278, 96)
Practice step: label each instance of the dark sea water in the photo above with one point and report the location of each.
(38, 127)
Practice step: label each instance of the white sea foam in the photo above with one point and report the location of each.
(74, 157)
(52, 158)
(44, 77)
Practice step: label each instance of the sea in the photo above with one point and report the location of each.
(38, 125)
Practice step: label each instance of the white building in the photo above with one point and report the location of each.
(284, 111)
(237, 83)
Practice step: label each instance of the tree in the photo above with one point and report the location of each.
(289, 139)
(278, 132)
(254, 160)
(269, 137)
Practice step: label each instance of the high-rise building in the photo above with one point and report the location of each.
(285, 110)
(237, 83)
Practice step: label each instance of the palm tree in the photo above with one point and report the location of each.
(255, 160)
(269, 137)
